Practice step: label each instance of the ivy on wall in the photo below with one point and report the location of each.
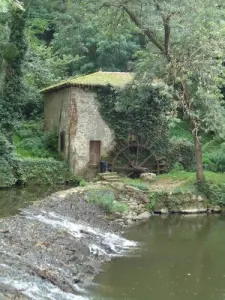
(140, 111)
(144, 112)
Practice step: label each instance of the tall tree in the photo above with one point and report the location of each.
(14, 53)
(185, 52)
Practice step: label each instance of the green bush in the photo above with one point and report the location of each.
(182, 152)
(40, 170)
(83, 182)
(31, 166)
(106, 200)
(30, 140)
(7, 177)
(215, 161)
(5, 146)
(214, 192)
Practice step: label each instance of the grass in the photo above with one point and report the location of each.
(138, 183)
(213, 177)
(106, 200)
(188, 179)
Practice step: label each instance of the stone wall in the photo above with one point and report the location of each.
(76, 111)
(90, 127)
(56, 114)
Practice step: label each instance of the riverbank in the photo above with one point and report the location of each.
(57, 246)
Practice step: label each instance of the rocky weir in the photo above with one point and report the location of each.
(54, 248)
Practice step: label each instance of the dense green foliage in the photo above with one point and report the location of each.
(141, 111)
(30, 140)
(182, 152)
(184, 58)
(214, 192)
(32, 162)
(14, 54)
(40, 171)
(176, 56)
(7, 177)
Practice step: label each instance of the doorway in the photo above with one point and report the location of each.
(95, 152)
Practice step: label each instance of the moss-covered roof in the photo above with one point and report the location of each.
(98, 79)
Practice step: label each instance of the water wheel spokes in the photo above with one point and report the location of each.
(134, 158)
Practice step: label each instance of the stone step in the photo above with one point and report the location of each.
(113, 179)
(108, 174)
(111, 176)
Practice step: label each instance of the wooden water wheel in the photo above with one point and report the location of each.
(134, 159)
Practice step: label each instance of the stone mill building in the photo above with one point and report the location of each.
(71, 110)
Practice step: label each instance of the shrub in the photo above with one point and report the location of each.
(40, 170)
(7, 177)
(83, 183)
(214, 192)
(31, 141)
(182, 152)
(106, 200)
(215, 161)
(5, 146)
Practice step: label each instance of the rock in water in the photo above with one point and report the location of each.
(144, 216)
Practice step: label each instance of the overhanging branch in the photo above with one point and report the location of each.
(166, 25)
(149, 33)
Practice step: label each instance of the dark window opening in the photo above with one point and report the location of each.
(95, 152)
(132, 142)
(132, 139)
(62, 141)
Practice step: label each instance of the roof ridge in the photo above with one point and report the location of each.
(96, 79)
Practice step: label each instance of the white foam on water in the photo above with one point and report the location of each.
(117, 245)
(96, 250)
(37, 291)
(5, 266)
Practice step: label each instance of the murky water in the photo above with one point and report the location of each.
(180, 258)
(12, 200)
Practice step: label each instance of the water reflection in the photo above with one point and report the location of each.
(11, 200)
(182, 258)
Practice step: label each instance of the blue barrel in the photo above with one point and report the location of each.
(104, 166)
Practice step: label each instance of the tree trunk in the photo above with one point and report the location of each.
(195, 130)
(199, 162)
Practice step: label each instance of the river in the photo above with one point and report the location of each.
(177, 257)
(14, 199)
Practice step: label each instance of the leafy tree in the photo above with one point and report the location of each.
(76, 36)
(184, 52)
(14, 54)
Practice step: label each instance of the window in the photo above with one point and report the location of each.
(132, 143)
(62, 141)
(95, 152)
(132, 139)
